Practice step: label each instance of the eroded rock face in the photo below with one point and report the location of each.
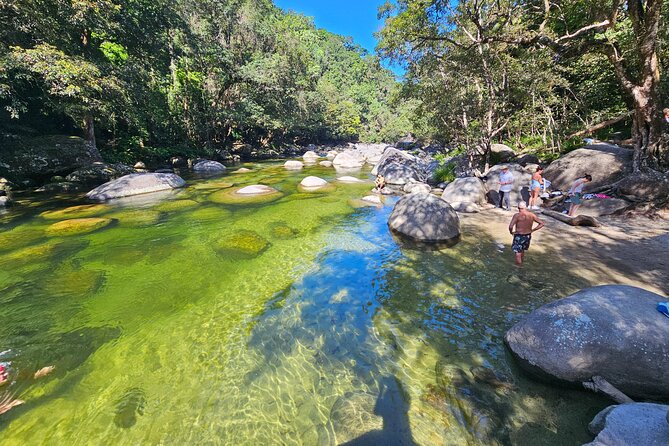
(136, 184)
(605, 163)
(470, 190)
(612, 331)
(631, 424)
(39, 158)
(99, 173)
(422, 217)
(207, 166)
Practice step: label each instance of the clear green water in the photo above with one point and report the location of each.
(161, 333)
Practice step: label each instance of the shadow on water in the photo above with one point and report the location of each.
(393, 406)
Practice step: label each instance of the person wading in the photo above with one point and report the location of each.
(521, 227)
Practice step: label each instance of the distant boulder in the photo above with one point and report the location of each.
(206, 166)
(310, 157)
(414, 188)
(313, 182)
(503, 152)
(349, 159)
(136, 184)
(293, 165)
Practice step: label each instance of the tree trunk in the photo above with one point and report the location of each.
(89, 135)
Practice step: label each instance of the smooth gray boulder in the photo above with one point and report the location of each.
(469, 189)
(638, 424)
(414, 188)
(521, 183)
(604, 162)
(313, 182)
(349, 159)
(390, 156)
(466, 207)
(207, 166)
(136, 184)
(504, 152)
(422, 217)
(612, 331)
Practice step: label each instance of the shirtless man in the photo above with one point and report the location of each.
(521, 227)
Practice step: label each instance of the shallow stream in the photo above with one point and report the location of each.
(190, 319)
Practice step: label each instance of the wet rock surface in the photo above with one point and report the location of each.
(136, 184)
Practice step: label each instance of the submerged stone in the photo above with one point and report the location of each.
(128, 407)
(136, 218)
(214, 185)
(280, 230)
(77, 226)
(74, 283)
(84, 210)
(176, 205)
(244, 244)
(248, 195)
(31, 254)
(209, 214)
(18, 238)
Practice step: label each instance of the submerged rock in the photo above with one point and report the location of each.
(258, 193)
(639, 424)
(28, 255)
(136, 184)
(423, 217)
(84, 210)
(77, 226)
(374, 199)
(243, 244)
(209, 214)
(19, 237)
(136, 218)
(128, 407)
(612, 331)
(349, 179)
(215, 185)
(280, 230)
(176, 205)
(74, 283)
(353, 416)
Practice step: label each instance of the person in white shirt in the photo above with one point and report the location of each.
(505, 188)
(576, 194)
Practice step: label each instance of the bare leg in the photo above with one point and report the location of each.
(519, 258)
(573, 208)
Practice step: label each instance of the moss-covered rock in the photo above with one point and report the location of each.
(136, 218)
(77, 226)
(32, 254)
(81, 211)
(247, 195)
(213, 185)
(176, 205)
(100, 173)
(243, 244)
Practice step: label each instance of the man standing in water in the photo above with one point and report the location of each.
(521, 227)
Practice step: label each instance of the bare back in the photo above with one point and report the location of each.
(523, 222)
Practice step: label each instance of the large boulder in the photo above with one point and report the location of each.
(470, 190)
(605, 163)
(313, 182)
(414, 188)
(640, 424)
(310, 157)
(206, 166)
(611, 331)
(422, 217)
(598, 207)
(503, 152)
(371, 153)
(293, 165)
(99, 173)
(644, 188)
(398, 167)
(136, 184)
(39, 158)
(349, 159)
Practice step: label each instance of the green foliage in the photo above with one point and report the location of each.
(445, 173)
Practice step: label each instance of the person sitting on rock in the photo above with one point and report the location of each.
(576, 194)
(521, 227)
(380, 182)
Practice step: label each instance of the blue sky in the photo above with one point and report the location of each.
(355, 18)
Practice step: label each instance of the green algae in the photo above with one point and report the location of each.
(176, 205)
(19, 237)
(243, 244)
(80, 211)
(136, 218)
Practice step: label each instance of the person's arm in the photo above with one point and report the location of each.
(541, 223)
(512, 224)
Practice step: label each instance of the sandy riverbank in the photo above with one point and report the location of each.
(630, 251)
